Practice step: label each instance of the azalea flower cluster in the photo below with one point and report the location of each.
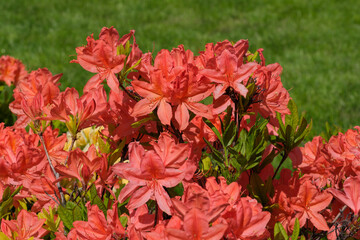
(179, 146)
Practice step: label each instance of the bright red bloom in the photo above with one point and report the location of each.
(20, 158)
(81, 165)
(308, 203)
(286, 187)
(315, 163)
(78, 112)
(229, 72)
(33, 95)
(271, 97)
(247, 220)
(196, 213)
(140, 222)
(102, 57)
(174, 82)
(351, 194)
(27, 225)
(207, 58)
(98, 227)
(119, 120)
(45, 191)
(54, 145)
(150, 171)
(196, 226)
(221, 193)
(12, 70)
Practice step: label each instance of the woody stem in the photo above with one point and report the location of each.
(281, 162)
(120, 78)
(53, 170)
(73, 139)
(156, 214)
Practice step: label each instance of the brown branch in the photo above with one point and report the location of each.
(56, 174)
(73, 139)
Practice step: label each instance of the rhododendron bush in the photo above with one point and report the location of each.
(175, 145)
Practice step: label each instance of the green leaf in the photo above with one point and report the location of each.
(207, 101)
(214, 129)
(294, 113)
(127, 47)
(3, 236)
(269, 187)
(230, 134)
(259, 189)
(124, 220)
(228, 115)
(16, 191)
(76, 211)
(289, 138)
(116, 154)
(66, 216)
(120, 50)
(95, 199)
(268, 159)
(251, 165)
(142, 121)
(206, 162)
(236, 164)
(222, 125)
(49, 215)
(305, 133)
(133, 66)
(296, 230)
(279, 232)
(178, 190)
(23, 205)
(251, 57)
(301, 128)
(218, 157)
(281, 124)
(6, 194)
(5, 206)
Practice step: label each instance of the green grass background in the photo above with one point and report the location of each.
(316, 42)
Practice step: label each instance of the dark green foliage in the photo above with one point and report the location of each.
(6, 97)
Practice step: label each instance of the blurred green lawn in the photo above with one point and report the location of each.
(316, 42)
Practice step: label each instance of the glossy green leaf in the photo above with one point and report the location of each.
(178, 190)
(66, 217)
(95, 199)
(217, 156)
(5, 207)
(6, 194)
(230, 134)
(214, 129)
(279, 232)
(124, 220)
(296, 230)
(206, 163)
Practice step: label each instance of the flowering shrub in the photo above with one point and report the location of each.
(182, 146)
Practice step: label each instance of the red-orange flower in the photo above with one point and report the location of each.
(229, 73)
(308, 203)
(196, 227)
(26, 226)
(98, 227)
(150, 171)
(12, 70)
(78, 112)
(34, 95)
(101, 56)
(351, 194)
(174, 82)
